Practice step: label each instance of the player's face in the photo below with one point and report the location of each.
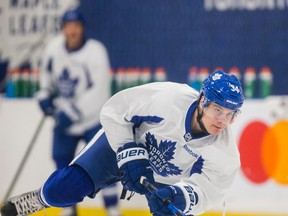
(216, 118)
(73, 32)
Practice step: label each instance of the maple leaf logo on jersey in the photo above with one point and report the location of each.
(67, 85)
(161, 155)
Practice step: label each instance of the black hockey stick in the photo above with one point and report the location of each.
(166, 202)
(24, 159)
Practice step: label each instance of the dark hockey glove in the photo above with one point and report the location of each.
(67, 116)
(46, 106)
(63, 121)
(132, 159)
(159, 207)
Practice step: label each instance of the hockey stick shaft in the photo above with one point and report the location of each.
(167, 202)
(24, 159)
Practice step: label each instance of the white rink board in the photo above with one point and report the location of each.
(18, 122)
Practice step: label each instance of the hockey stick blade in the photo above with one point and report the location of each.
(150, 187)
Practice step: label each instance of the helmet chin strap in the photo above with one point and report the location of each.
(199, 119)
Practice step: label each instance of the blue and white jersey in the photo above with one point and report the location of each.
(159, 116)
(80, 78)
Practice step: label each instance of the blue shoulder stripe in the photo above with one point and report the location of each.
(138, 120)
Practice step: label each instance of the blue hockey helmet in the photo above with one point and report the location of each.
(223, 89)
(72, 15)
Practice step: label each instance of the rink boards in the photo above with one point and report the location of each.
(101, 212)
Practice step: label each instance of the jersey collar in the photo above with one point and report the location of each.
(188, 130)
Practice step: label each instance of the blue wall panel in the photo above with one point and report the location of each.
(178, 34)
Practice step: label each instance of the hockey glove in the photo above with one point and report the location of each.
(173, 193)
(63, 121)
(67, 116)
(132, 159)
(46, 106)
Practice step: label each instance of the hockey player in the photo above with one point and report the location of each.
(177, 138)
(75, 84)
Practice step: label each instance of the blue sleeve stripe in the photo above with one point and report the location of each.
(197, 166)
(138, 120)
(88, 77)
(49, 66)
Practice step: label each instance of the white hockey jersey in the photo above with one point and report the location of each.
(81, 78)
(159, 116)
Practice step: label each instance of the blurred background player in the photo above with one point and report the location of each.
(75, 84)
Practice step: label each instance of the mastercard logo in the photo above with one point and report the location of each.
(264, 152)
